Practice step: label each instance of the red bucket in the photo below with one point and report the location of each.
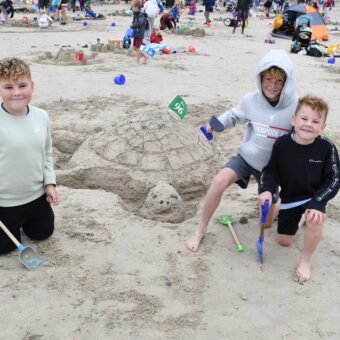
(79, 56)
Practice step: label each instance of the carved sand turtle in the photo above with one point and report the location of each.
(137, 152)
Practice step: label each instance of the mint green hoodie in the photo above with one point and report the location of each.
(26, 163)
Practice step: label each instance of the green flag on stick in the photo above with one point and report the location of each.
(178, 106)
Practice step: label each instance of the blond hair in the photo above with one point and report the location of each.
(274, 72)
(14, 69)
(317, 104)
(137, 3)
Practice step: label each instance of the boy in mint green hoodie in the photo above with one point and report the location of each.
(28, 181)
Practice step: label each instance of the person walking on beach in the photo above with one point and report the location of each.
(151, 9)
(267, 114)
(208, 8)
(242, 10)
(306, 188)
(28, 181)
(139, 25)
(7, 10)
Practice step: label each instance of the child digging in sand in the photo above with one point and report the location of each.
(139, 25)
(267, 113)
(26, 166)
(306, 167)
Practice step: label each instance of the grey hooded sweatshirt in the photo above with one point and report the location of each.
(265, 123)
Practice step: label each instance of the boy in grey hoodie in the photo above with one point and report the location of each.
(267, 114)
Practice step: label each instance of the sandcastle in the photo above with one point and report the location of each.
(23, 23)
(196, 32)
(67, 56)
(112, 45)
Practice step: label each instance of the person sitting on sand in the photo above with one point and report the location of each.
(306, 167)
(156, 36)
(89, 12)
(167, 21)
(44, 20)
(267, 114)
(28, 181)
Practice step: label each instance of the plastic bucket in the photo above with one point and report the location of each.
(120, 79)
(191, 48)
(331, 60)
(130, 33)
(79, 56)
(85, 23)
(165, 51)
(113, 24)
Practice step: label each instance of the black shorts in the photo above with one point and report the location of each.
(44, 4)
(244, 171)
(36, 219)
(288, 220)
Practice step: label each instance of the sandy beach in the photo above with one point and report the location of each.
(114, 270)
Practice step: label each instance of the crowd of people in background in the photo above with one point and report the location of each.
(169, 10)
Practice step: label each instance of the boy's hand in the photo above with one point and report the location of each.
(315, 216)
(52, 194)
(209, 129)
(266, 195)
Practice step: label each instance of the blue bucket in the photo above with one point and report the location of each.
(120, 79)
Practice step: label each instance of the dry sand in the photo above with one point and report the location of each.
(112, 274)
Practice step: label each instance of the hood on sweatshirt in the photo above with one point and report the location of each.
(278, 58)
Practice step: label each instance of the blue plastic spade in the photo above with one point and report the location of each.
(208, 135)
(215, 125)
(264, 210)
(28, 256)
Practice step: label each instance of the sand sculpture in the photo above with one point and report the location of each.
(164, 204)
(67, 56)
(196, 32)
(133, 155)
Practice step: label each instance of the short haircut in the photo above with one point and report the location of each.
(137, 3)
(275, 72)
(317, 104)
(14, 69)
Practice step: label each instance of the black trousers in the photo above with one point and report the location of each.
(36, 219)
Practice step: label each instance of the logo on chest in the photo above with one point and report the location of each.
(269, 131)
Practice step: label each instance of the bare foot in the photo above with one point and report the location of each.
(194, 243)
(145, 60)
(302, 273)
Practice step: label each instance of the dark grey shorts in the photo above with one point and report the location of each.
(244, 171)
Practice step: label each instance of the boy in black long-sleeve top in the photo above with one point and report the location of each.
(306, 167)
